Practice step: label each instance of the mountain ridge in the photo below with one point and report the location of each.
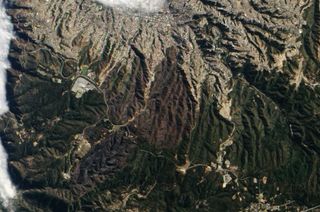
(193, 107)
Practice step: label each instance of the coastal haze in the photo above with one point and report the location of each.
(7, 189)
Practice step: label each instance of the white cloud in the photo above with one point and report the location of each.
(7, 189)
(146, 6)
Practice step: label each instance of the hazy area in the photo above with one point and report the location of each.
(7, 190)
(146, 6)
